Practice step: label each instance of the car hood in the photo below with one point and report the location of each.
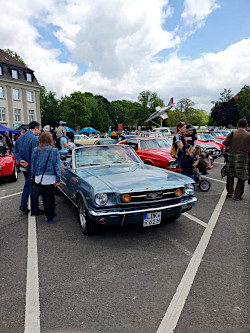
(122, 178)
(164, 152)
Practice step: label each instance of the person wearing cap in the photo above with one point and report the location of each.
(60, 129)
(188, 161)
(191, 135)
(59, 133)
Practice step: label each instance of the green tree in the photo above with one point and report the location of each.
(150, 99)
(75, 111)
(16, 56)
(50, 108)
(175, 116)
(243, 103)
(225, 96)
(224, 112)
(184, 104)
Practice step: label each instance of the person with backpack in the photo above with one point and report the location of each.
(64, 144)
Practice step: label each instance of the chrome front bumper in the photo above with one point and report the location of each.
(183, 203)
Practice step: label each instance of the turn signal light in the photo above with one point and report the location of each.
(178, 192)
(126, 197)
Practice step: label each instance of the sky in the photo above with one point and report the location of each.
(119, 48)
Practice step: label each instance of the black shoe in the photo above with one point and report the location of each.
(37, 212)
(229, 195)
(25, 210)
(238, 199)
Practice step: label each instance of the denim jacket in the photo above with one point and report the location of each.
(39, 158)
(23, 148)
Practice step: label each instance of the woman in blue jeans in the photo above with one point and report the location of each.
(46, 152)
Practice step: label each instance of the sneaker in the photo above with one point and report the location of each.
(37, 212)
(25, 210)
(48, 221)
(238, 199)
(229, 195)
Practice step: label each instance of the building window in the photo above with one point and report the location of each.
(31, 115)
(14, 74)
(16, 95)
(30, 96)
(1, 70)
(17, 115)
(1, 92)
(29, 77)
(2, 114)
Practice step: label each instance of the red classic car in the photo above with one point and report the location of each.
(208, 138)
(8, 165)
(153, 151)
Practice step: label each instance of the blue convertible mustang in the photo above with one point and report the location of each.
(111, 185)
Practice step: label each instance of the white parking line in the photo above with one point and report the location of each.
(219, 163)
(216, 180)
(195, 219)
(176, 306)
(32, 310)
(10, 195)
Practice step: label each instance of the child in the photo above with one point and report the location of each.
(188, 161)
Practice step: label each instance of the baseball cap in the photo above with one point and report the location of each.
(61, 122)
(189, 126)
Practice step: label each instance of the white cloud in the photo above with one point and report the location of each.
(196, 11)
(117, 40)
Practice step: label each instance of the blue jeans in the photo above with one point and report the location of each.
(27, 191)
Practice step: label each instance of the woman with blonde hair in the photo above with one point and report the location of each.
(179, 140)
(46, 172)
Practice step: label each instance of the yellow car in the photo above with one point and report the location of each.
(83, 140)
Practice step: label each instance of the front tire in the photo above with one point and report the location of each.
(204, 185)
(87, 226)
(13, 177)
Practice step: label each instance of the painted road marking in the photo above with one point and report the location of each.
(32, 309)
(219, 163)
(10, 195)
(176, 306)
(195, 219)
(217, 180)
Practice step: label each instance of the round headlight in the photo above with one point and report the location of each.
(101, 199)
(189, 189)
(126, 197)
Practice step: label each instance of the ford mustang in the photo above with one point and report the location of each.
(154, 151)
(111, 186)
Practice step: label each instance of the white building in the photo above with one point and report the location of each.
(19, 93)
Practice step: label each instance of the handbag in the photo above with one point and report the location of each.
(173, 152)
(37, 187)
(226, 152)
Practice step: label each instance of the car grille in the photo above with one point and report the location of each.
(151, 196)
(214, 152)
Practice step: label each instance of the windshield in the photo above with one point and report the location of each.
(101, 155)
(205, 137)
(155, 143)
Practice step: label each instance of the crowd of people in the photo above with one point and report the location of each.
(39, 155)
(237, 165)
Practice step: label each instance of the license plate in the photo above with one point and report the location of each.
(151, 219)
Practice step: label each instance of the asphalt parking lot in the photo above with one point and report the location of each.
(191, 275)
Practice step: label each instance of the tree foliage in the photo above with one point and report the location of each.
(224, 112)
(150, 99)
(243, 103)
(50, 108)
